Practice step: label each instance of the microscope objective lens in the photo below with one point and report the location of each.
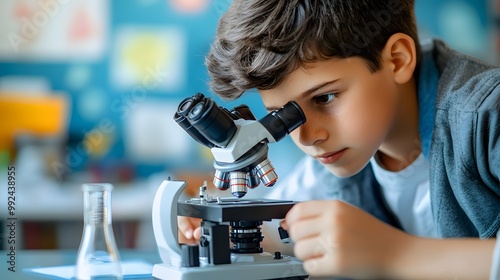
(253, 180)
(221, 180)
(266, 172)
(238, 181)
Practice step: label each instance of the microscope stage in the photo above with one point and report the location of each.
(233, 210)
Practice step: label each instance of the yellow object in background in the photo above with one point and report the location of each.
(41, 116)
(97, 142)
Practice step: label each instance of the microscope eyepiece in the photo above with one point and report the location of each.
(212, 122)
(205, 122)
(196, 111)
(283, 121)
(185, 106)
(181, 118)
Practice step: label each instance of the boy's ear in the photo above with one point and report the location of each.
(400, 55)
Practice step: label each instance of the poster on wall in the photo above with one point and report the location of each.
(152, 136)
(53, 30)
(149, 59)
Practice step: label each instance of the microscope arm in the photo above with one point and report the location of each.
(165, 221)
(248, 134)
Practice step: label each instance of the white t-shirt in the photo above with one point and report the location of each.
(407, 195)
(406, 191)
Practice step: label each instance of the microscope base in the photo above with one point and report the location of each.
(288, 269)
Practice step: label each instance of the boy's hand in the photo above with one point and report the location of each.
(189, 230)
(334, 238)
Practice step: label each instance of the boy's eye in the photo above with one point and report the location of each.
(325, 98)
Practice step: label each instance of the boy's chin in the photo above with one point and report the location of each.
(345, 171)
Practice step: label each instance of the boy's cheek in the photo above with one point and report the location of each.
(295, 135)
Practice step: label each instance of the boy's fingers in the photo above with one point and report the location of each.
(308, 249)
(188, 234)
(185, 227)
(284, 225)
(197, 233)
(189, 227)
(303, 210)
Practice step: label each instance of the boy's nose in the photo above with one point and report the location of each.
(312, 132)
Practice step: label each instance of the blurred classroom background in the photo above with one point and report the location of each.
(88, 90)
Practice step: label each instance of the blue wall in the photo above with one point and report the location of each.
(434, 18)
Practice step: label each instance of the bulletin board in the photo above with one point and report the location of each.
(119, 62)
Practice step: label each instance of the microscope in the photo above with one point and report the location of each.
(230, 242)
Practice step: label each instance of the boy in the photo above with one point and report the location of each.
(403, 129)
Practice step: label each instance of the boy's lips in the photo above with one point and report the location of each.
(330, 158)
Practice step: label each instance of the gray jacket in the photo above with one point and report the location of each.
(465, 146)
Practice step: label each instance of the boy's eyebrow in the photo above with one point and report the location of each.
(309, 91)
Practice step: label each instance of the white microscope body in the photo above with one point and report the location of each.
(242, 266)
(238, 142)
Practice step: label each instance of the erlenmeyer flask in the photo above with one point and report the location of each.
(98, 256)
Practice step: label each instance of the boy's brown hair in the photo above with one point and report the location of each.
(260, 42)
